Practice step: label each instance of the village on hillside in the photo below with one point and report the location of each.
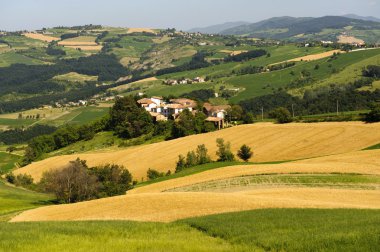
(161, 110)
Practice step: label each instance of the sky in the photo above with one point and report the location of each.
(180, 14)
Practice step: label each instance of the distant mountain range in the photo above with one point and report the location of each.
(215, 29)
(303, 28)
(369, 18)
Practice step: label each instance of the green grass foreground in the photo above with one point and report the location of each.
(259, 230)
(13, 199)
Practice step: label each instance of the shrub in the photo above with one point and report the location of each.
(224, 151)
(181, 164)
(154, 174)
(245, 153)
(373, 115)
(282, 115)
(201, 155)
(11, 178)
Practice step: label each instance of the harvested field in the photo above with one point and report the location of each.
(312, 57)
(76, 43)
(360, 162)
(233, 53)
(86, 48)
(342, 39)
(126, 86)
(270, 142)
(138, 30)
(166, 207)
(41, 37)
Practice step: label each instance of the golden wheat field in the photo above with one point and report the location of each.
(312, 57)
(126, 86)
(349, 40)
(233, 53)
(86, 47)
(270, 142)
(166, 207)
(41, 37)
(138, 30)
(360, 162)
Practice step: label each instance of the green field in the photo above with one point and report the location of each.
(266, 83)
(79, 116)
(14, 199)
(9, 58)
(296, 230)
(260, 230)
(16, 122)
(7, 161)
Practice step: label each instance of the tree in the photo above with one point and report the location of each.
(181, 164)
(248, 118)
(202, 156)
(72, 184)
(245, 153)
(114, 180)
(282, 115)
(191, 159)
(128, 120)
(224, 151)
(373, 115)
(154, 174)
(235, 113)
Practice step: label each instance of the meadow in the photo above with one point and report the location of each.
(266, 83)
(7, 161)
(258, 230)
(13, 200)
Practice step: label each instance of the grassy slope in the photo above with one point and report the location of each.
(14, 199)
(107, 236)
(261, 84)
(9, 58)
(7, 161)
(296, 230)
(273, 229)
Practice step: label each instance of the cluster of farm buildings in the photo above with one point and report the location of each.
(161, 110)
(173, 82)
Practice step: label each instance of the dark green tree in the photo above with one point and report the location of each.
(282, 115)
(245, 153)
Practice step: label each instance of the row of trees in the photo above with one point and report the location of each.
(21, 135)
(200, 155)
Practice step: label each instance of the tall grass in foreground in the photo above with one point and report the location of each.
(296, 229)
(106, 236)
(259, 230)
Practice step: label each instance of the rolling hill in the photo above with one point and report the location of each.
(215, 29)
(270, 143)
(297, 28)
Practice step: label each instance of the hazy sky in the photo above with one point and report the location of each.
(181, 14)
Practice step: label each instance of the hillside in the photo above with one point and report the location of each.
(368, 18)
(150, 204)
(323, 28)
(215, 29)
(270, 143)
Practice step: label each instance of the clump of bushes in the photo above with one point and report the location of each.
(77, 182)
